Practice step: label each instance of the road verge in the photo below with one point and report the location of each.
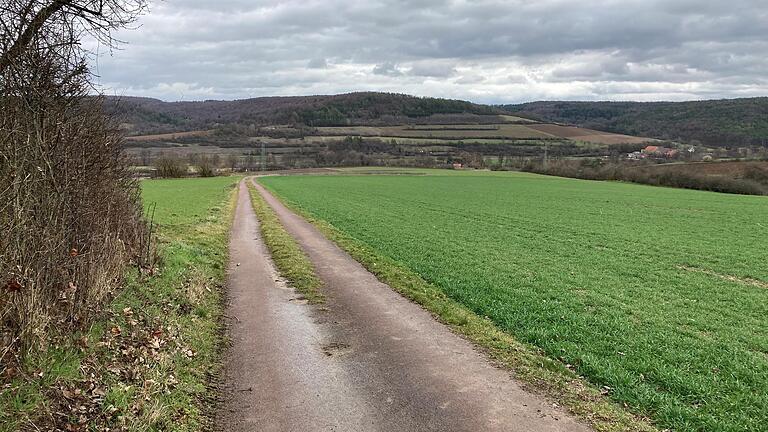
(151, 362)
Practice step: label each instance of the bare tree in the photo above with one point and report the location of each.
(232, 161)
(55, 27)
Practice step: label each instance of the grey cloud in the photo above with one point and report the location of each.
(470, 79)
(318, 63)
(387, 69)
(433, 69)
(237, 48)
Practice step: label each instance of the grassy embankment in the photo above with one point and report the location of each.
(148, 363)
(656, 297)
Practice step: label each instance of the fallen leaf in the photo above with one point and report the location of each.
(12, 285)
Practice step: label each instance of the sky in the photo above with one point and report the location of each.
(483, 51)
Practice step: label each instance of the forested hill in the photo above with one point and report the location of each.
(144, 115)
(726, 123)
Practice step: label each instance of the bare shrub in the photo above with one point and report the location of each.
(169, 166)
(70, 214)
(598, 169)
(757, 174)
(206, 166)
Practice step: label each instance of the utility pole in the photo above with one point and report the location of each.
(263, 156)
(546, 155)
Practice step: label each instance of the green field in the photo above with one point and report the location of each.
(657, 296)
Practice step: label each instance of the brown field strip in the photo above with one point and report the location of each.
(497, 131)
(587, 135)
(168, 136)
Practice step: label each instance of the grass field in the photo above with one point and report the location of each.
(146, 364)
(657, 296)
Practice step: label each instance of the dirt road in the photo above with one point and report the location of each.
(366, 360)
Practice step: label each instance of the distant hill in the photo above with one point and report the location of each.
(152, 116)
(716, 123)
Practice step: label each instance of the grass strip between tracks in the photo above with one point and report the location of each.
(290, 260)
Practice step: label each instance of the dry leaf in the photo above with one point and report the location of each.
(12, 285)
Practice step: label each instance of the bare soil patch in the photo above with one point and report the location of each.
(168, 136)
(588, 135)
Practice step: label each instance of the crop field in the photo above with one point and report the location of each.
(485, 131)
(587, 135)
(168, 136)
(657, 296)
(498, 131)
(322, 139)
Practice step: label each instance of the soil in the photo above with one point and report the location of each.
(588, 135)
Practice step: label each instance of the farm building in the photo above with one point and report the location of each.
(659, 151)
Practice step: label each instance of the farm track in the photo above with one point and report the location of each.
(366, 360)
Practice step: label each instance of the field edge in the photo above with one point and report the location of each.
(154, 357)
(538, 372)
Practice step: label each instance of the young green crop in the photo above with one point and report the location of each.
(659, 296)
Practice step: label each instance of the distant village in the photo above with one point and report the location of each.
(661, 152)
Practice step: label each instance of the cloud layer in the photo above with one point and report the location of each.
(482, 50)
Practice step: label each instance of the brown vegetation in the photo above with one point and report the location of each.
(168, 136)
(170, 167)
(69, 212)
(587, 135)
(712, 123)
(747, 178)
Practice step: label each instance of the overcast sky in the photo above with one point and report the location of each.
(484, 51)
